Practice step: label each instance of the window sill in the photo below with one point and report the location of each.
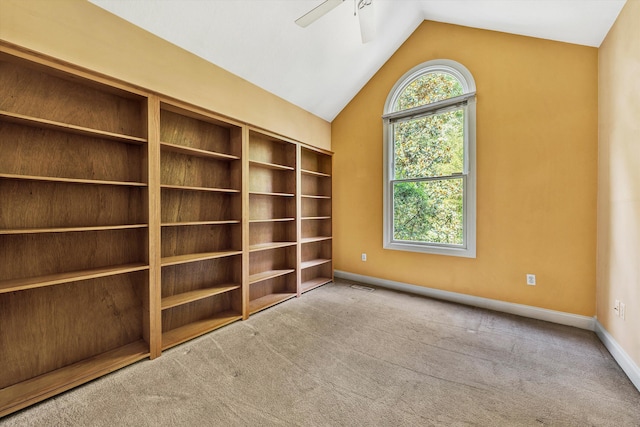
(431, 249)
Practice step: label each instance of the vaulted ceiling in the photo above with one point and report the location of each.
(322, 67)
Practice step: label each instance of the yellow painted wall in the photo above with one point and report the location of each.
(83, 34)
(618, 268)
(537, 161)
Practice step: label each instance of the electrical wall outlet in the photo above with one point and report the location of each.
(622, 310)
(363, 257)
(531, 279)
(616, 307)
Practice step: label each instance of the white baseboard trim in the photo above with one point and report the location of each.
(583, 322)
(578, 321)
(628, 366)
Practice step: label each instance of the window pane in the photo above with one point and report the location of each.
(429, 146)
(429, 88)
(428, 211)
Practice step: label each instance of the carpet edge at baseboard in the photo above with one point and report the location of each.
(553, 316)
(621, 357)
(583, 322)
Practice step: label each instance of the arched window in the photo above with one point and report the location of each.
(429, 161)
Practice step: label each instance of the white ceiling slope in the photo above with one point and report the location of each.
(322, 67)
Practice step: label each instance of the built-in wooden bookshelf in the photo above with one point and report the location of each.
(131, 223)
(272, 221)
(74, 271)
(201, 223)
(316, 267)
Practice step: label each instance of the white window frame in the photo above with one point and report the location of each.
(468, 100)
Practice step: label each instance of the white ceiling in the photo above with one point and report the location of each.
(322, 67)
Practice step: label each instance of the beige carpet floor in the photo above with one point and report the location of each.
(340, 356)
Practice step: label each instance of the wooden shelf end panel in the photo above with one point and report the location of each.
(21, 395)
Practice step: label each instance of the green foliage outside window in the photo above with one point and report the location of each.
(429, 210)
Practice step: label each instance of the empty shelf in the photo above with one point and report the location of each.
(314, 283)
(41, 387)
(268, 301)
(195, 295)
(72, 276)
(270, 274)
(192, 330)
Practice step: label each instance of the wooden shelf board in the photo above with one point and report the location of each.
(314, 283)
(180, 224)
(314, 239)
(271, 220)
(195, 295)
(270, 274)
(185, 187)
(71, 229)
(314, 196)
(268, 301)
(65, 127)
(270, 165)
(197, 152)
(71, 180)
(28, 392)
(270, 245)
(313, 262)
(72, 276)
(192, 330)
(183, 259)
(264, 193)
(315, 173)
(315, 217)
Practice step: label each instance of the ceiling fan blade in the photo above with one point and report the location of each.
(317, 12)
(367, 22)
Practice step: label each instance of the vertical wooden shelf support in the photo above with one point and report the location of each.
(153, 313)
(299, 221)
(245, 223)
